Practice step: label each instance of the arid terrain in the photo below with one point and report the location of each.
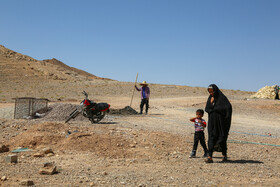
(128, 150)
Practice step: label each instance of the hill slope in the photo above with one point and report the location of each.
(24, 76)
(15, 66)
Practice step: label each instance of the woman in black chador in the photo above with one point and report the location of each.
(219, 112)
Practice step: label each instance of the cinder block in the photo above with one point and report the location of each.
(11, 159)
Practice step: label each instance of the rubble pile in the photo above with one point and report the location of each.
(124, 111)
(266, 92)
(60, 111)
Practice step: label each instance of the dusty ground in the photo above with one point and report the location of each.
(148, 150)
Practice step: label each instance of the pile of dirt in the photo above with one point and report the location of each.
(101, 143)
(60, 111)
(47, 133)
(124, 111)
(266, 92)
(58, 137)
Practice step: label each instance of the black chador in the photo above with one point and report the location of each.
(219, 121)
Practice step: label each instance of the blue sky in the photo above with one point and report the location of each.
(232, 43)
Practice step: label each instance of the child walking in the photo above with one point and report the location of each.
(199, 125)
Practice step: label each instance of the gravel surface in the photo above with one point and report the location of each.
(143, 150)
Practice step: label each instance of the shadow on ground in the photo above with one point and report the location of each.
(243, 162)
(111, 122)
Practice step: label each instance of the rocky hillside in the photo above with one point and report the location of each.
(24, 76)
(15, 66)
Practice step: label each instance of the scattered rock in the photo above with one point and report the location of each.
(26, 183)
(47, 150)
(50, 154)
(39, 155)
(132, 145)
(48, 169)
(4, 148)
(4, 178)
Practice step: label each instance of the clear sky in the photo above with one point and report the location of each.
(232, 43)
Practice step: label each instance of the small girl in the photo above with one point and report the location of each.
(199, 125)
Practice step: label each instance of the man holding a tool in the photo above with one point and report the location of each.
(145, 94)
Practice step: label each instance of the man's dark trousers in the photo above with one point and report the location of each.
(144, 101)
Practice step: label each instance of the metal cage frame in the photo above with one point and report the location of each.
(28, 106)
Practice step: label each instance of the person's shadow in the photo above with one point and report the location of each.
(156, 114)
(241, 161)
(108, 122)
(244, 162)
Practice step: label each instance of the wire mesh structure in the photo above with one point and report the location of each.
(28, 106)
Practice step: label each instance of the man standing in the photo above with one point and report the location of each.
(276, 89)
(145, 94)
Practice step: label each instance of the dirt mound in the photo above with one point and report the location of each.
(102, 144)
(124, 111)
(266, 92)
(58, 137)
(100, 140)
(40, 134)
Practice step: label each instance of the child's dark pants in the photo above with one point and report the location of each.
(199, 137)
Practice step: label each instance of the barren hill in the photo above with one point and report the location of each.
(14, 66)
(24, 76)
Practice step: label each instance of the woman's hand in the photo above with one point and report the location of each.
(212, 99)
